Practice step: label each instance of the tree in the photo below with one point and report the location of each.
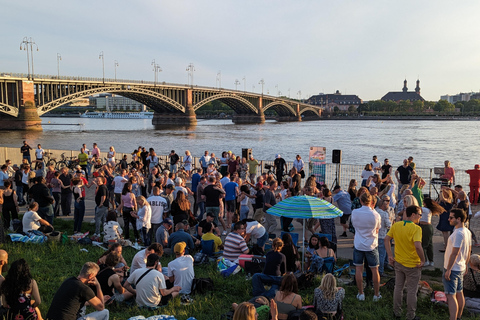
(443, 106)
(418, 106)
(364, 107)
(336, 109)
(352, 109)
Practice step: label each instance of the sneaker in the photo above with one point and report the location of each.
(224, 233)
(376, 298)
(431, 264)
(186, 300)
(361, 297)
(344, 234)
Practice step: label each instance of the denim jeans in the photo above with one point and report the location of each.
(20, 199)
(145, 234)
(56, 207)
(262, 240)
(382, 253)
(244, 210)
(259, 281)
(173, 168)
(100, 215)
(78, 215)
(46, 213)
(201, 206)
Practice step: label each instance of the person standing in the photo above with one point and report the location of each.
(457, 255)
(159, 206)
(299, 164)
(449, 173)
(386, 169)
(376, 165)
(408, 261)
(204, 161)
(252, 168)
(25, 151)
(39, 153)
(213, 196)
(403, 175)
(83, 161)
(270, 201)
(342, 199)
(386, 213)
(280, 167)
(101, 201)
(174, 159)
(66, 195)
(474, 183)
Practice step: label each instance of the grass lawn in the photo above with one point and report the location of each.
(51, 263)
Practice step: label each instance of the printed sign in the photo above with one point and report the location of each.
(317, 163)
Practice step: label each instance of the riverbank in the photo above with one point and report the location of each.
(399, 118)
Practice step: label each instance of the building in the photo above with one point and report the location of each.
(111, 102)
(460, 97)
(330, 101)
(404, 95)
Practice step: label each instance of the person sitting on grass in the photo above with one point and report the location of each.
(247, 311)
(208, 235)
(140, 259)
(180, 270)
(313, 246)
(20, 293)
(121, 267)
(275, 267)
(287, 298)
(324, 250)
(150, 287)
(32, 221)
(110, 280)
(328, 297)
(112, 229)
(261, 304)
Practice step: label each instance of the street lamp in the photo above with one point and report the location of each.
(262, 82)
(156, 70)
(219, 79)
(190, 70)
(236, 83)
(115, 65)
(288, 93)
(276, 89)
(24, 45)
(59, 57)
(103, 65)
(299, 93)
(244, 79)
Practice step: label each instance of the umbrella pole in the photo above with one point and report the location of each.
(303, 244)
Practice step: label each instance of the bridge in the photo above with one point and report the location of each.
(24, 100)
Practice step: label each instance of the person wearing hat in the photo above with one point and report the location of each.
(163, 233)
(474, 183)
(180, 270)
(174, 159)
(280, 167)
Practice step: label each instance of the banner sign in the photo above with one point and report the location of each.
(317, 163)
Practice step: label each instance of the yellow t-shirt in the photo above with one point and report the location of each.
(216, 240)
(406, 233)
(83, 159)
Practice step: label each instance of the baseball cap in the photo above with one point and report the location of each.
(168, 221)
(180, 247)
(277, 155)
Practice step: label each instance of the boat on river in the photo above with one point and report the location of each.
(118, 115)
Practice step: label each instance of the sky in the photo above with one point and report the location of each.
(364, 47)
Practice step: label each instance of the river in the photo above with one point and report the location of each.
(429, 142)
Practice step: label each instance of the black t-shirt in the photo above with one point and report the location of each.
(144, 155)
(25, 150)
(204, 222)
(269, 198)
(67, 181)
(212, 195)
(41, 194)
(385, 170)
(174, 158)
(279, 164)
(102, 277)
(275, 264)
(102, 191)
(405, 174)
(69, 299)
(259, 200)
(298, 186)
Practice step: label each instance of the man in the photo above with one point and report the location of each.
(259, 201)
(408, 261)
(270, 200)
(150, 287)
(158, 205)
(210, 217)
(457, 255)
(376, 165)
(25, 151)
(280, 167)
(66, 194)
(118, 183)
(174, 159)
(181, 236)
(151, 160)
(225, 179)
(208, 235)
(366, 222)
(3, 176)
(296, 184)
(40, 193)
(213, 196)
(235, 244)
(167, 194)
(75, 292)
(252, 168)
(83, 161)
(195, 182)
(124, 162)
(299, 164)
(179, 187)
(204, 161)
(387, 215)
(474, 183)
(101, 202)
(231, 194)
(95, 151)
(411, 163)
(180, 270)
(18, 178)
(403, 175)
(199, 196)
(140, 259)
(32, 221)
(386, 169)
(39, 153)
(163, 233)
(343, 202)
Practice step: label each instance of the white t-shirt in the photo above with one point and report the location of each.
(158, 205)
(139, 261)
(255, 229)
(144, 217)
(39, 153)
(179, 188)
(366, 222)
(460, 238)
(426, 215)
(182, 269)
(376, 165)
(366, 174)
(148, 288)
(153, 161)
(119, 182)
(30, 221)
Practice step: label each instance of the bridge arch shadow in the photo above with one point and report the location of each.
(238, 104)
(282, 109)
(311, 113)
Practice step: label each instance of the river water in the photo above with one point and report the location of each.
(429, 142)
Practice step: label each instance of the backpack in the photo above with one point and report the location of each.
(201, 285)
(200, 258)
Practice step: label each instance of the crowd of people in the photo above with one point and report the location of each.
(181, 208)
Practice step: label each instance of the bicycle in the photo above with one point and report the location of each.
(69, 162)
(49, 161)
(271, 171)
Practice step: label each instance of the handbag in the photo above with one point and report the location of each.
(302, 174)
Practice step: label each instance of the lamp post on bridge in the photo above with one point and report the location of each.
(115, 65)
(59, 57)
(299, 94)
(219, 79)
(156, 70)
(190, 70)
(103, 65)
(244, 79)
(262, 82)
(236, 83)
(276, 89)
(288, 93)
(24, 45)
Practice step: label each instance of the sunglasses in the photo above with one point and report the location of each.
(451, 218)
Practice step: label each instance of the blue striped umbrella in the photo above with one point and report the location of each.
(305, 207)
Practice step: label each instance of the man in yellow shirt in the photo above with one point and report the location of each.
(208, 235)
(83, 161)
(408, 261)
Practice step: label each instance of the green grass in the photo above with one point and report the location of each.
(51, 263)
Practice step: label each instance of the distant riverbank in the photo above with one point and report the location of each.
(399, 118)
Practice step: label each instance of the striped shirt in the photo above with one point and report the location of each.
(234, 246)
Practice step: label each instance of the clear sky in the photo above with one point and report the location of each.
(357, 47)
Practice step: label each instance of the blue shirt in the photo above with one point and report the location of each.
(342, 198)
(195, 180)
(230, 191)
(181, 236)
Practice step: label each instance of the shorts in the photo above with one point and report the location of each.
(344, 218)
(455, 284)
(230, 205)
(372, 257)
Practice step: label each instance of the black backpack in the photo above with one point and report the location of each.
(201, 285)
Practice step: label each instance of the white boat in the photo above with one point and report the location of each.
(118, 115)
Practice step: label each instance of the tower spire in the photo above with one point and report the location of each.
(417, 88)
(405, 89)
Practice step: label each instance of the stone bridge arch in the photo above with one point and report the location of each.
(237, 103)
(282, 108)
(310, 112)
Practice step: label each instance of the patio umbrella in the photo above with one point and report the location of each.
(305, 207)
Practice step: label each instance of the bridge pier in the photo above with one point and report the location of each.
(289, 118)
(248, 119)
(162, 120)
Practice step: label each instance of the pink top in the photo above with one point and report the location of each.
(128, 200)
(96, 151)
(449, 173)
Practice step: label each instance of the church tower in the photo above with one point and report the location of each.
(417, 88)
(405, 89)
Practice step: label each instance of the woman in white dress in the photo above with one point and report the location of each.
(111, 156)
(187, 163)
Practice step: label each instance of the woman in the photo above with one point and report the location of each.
(116, 248)
(471, 278)
(323, 250)
(446, 201)
(187, 163)
(223, 163)
(313, 245)
(143, 216)
(136, 185)
(180, 208)
(111, 156)
(430, 207)
(356, 201)
(366, 173)
(56, 185)
(110, 281)
(408, 200)
(111, 228)
(291, 253)
(20, 293)
(243, 198)
(128, 206)
(312, 184)
(449, 173)
(328, 225)
(287, 298)
(275, 261)
(79, 205)
(352, 189)
(247, 311)
(10, 205)
(243, 169)
(374, 181)
(328, 297)
(464, 204)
